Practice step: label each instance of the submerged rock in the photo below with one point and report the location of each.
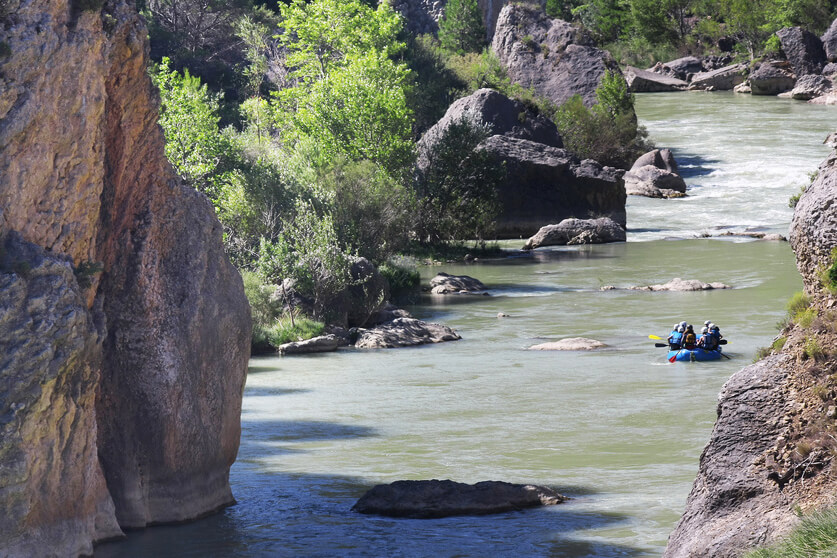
(733, 505)
(553, 57)
(455, 284)
(547, 185)
(403, 332)
(426, 499)
(577, 231)
(676, 284)
(570, 344)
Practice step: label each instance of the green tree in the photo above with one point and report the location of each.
(607, 20)
(661, 21)
(349, 95)
(461, 28)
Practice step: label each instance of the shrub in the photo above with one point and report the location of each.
(265, 309)
(779, 344)
(798, 302)
(794, 199)
(761, 352)
(812, 349)
(815, 537)
(286, 330)
(804, 318)
(401, 274)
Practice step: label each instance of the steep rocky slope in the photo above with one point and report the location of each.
(772, 450)
(124, 331)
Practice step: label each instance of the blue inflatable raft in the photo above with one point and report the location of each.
(692, 355)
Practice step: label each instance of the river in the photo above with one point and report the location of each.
(619, 430)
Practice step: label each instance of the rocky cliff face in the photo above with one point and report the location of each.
(422, 16)
(772, 450)
(125, 331)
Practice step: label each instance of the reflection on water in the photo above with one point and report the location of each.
(619, 430)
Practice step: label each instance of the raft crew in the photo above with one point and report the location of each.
(707, 340)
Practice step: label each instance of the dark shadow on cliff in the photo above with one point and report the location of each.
(282, 514)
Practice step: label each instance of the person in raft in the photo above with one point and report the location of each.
(707, 340)
(676, 338)
(689, 339)
(716, 333)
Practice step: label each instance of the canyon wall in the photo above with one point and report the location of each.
(124, 330)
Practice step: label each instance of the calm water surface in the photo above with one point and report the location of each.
(619, 430)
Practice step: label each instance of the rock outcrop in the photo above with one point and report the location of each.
(403, 332)
(444, 498)
(128, 405)
(547, 185)
(551, 56)
(803, 49)
(319, 344)
(577, 231)
(829, 42)
(677, 285)
(686, 67)
(811, 86)
(444, 283)
(733, 505)
(644, 81)
(491, 109)
(771, 78)
(722, 79)
(813, 231)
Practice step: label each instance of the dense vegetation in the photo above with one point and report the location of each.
(642, 32)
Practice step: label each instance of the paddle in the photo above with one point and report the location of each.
(657, 337)
(661, 344)
(674, 357)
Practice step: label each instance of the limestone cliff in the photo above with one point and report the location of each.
(772, 451)
(124, 333)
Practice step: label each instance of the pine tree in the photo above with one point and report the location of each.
(462, 28)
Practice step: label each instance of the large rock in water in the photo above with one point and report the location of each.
(144, 362)
(551, 56)
(803, 49)
(813, 231)
(443, 498)
(444, 283)
(404, 332)
(655, 175)
(733, 506)
(577, 231)
(771, 78)
(644, 81)
(502, 115)
(811, 86)
(547, 185)
(722, 79)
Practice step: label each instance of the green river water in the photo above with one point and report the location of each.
(619, 430)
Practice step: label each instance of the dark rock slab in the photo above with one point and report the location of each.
(502, 115)
(686, 67)
(555, 58)
(403, 332)
(803, 49)
(443, 283)
(546, 185)
(722, 79)
(577, 231)
(644, 81)
(733, 506)
(430, 499)
(771, 78)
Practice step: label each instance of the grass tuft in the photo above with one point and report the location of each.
(815, 537)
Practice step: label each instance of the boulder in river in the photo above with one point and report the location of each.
(444, 283)
(569, 344)
(811, 86)
(722, 79)
(577, 231)
(320, 344)
(644, 81)
(771, 78)
(803, 49)
(547, 185)
(504, 116)
(676, 284)
(426, 499)
(553, 57)
(403, 332)
(655, 175)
